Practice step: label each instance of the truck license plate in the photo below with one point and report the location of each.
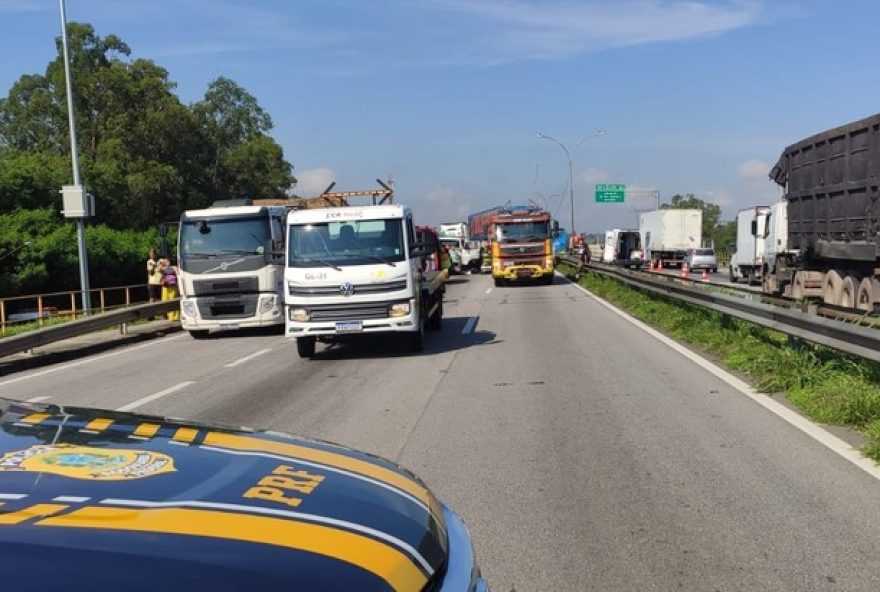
(523, 273)
(349, 327)
(229, 326)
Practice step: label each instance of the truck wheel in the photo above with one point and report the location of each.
(865, 295)
(417, 338)
(848, 291)
(730, 273)
(547, 280)
(498, 282)
(797, 286)
(832, 288)
(305, 347)
(199, 333)
(435, 323)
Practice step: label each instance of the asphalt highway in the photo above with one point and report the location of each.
(583, 453)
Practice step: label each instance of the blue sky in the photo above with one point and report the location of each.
(448, 95)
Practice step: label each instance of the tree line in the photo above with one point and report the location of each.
(145, 156)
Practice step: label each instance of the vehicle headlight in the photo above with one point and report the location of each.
(267, 303)
(399, 309)
(300, 315)
(188, 308)
(548, 261)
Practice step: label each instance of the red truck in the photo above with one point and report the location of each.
(522, 246)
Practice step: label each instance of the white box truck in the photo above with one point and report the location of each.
(231, 266)
(358, 270)
(668, 234)
(747, 261)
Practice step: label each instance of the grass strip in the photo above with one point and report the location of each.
(828, 386)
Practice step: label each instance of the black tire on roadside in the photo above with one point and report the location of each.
(305, 347)
(435, 323)
(199, 333)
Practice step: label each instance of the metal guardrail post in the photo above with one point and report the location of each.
(40, 311)
(73, 305)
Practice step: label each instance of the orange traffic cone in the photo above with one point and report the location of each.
(684, 269)
(705, 276)
(660, 265)
(651, 265)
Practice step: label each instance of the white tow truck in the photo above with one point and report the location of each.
(231, 266)
(358, 270)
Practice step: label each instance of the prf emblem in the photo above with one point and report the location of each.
(86, 462)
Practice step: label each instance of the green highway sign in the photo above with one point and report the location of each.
(610, 193)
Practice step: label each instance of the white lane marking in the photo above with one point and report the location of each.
(315, 518)
(247, 358)
(825, 438)
(488, 290)
(37, 399)
(469, 326)
(13, 496)
(73, 499)
(150, 398)
(89, 360)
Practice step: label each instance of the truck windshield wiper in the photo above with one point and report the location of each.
(374, 258)
(322, 262)
(199, 256)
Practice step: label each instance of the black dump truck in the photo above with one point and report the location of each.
(823, 239)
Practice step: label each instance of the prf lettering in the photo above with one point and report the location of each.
(278, 486)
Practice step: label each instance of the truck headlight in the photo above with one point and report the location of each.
(188, 308)
(548, 261)
(267, 303)
(399, 309)
(300, 315)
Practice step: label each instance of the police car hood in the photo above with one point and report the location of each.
(103, 500)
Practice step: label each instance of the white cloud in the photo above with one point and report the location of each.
(753, 169)
(523, 29)
(441, 204)
(312, 182)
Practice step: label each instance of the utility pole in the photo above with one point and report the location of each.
(570, 156)
(75, 195)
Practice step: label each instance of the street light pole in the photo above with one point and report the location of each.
(74, 159)
(569, 155)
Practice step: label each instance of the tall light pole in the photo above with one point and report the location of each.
(570, 156)
(77, 182)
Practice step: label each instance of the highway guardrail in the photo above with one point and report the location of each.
(38, 337)
(860, 341)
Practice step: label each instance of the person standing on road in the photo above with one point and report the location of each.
(584, 260)
(169, 286)
(154, 276)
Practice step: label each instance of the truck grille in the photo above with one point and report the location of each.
(236, 285)
(236, 306)
(517, 250)
(349, 312)
(374, 288)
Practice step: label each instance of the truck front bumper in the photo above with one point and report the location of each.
(314, 321)
(269, 311)
(521, 272)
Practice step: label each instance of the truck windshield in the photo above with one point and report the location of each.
(216, 237)
(514, 231)
(346, 242)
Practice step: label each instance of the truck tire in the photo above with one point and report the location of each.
(305, 347)
(832, 288)
(498, 282)
(435, 323)
(849, 291)
(199, 333)
(730, 273)
(547, 280)
(416, 339)
(865, 295)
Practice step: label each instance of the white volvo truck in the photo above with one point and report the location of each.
(231, 267)
(358, 270)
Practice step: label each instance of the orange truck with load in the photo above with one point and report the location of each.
(522, 246)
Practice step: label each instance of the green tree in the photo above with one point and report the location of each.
(245, 161)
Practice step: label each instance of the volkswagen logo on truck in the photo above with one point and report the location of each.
(346, 289)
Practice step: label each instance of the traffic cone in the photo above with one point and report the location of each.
(705, 275)
(660, 265)
(684, 270)
(651, 265)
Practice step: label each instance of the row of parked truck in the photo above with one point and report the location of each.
(820, 241)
